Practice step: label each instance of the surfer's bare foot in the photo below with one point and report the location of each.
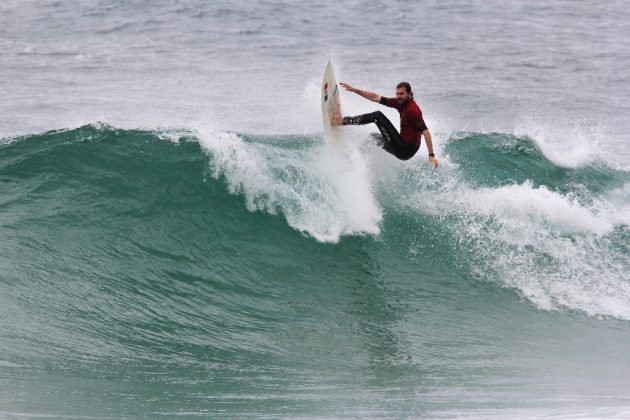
(337, 119)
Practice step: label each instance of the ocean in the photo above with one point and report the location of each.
(179, 239)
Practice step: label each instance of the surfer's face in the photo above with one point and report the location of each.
(402, 95)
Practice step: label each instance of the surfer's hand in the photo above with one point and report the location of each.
(337, 119)
(433, 161)
(347, 87)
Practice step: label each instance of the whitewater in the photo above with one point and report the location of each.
(178, 237)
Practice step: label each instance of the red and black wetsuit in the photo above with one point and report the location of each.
(403, 145)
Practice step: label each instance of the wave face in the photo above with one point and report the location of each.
(220, 273)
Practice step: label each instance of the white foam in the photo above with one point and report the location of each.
(525, 205)
(617, 205)
(559, 252)
(569, 147)
(320, 192)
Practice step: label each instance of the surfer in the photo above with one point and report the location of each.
(412, 126)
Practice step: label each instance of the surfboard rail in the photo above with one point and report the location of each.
(331, 102)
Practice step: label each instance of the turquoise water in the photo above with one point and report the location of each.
(150, 273)
(177, 237)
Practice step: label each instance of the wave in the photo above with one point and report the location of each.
(497, 210)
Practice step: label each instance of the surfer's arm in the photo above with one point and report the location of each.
(374, 97)
(429, 141)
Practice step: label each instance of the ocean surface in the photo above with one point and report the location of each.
(179, 239)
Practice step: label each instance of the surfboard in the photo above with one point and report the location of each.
(331, 103)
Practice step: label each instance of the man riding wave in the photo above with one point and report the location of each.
(405, 144)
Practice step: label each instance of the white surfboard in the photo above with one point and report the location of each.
(331, 103)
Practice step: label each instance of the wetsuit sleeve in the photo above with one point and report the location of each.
(390, 102)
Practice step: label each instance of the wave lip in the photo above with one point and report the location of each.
(320, 192)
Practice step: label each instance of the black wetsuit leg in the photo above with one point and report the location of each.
(389, 139)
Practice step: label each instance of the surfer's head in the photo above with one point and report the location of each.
(403, 92)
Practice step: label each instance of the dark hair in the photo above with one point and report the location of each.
(407, 87)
